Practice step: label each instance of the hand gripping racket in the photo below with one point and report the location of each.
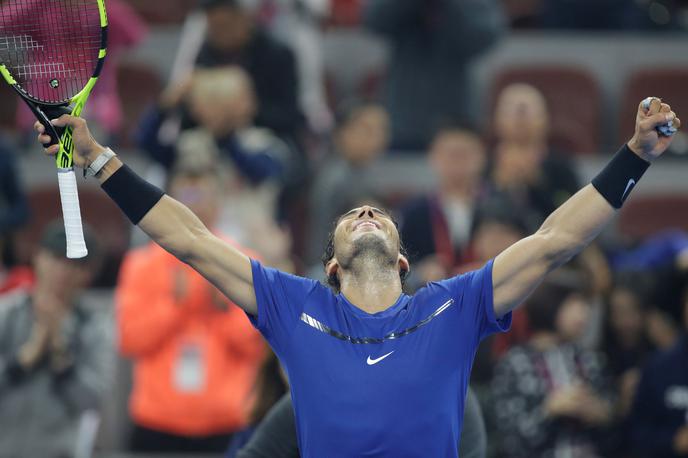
(51, 53)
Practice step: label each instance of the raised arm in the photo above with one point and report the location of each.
(520, 268)
(169, 223)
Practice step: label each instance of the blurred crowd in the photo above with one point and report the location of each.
(247, 136)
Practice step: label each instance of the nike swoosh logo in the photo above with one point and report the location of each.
(377, 360)
(629, 186)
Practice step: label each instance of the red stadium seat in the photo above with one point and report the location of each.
(139, 87)
(667, 83)
(642, 216)
(97, 210)
(573, 99)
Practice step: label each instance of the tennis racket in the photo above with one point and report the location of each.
(51, 53)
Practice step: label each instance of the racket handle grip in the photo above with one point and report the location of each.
(76, 246)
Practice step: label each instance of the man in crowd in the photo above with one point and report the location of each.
(432, 45)
(234, 38)
(436, 228)
(56, 354)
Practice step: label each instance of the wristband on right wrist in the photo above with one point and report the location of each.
(132, 194)
(620, 176)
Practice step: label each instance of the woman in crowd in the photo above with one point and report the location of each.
(550, 393)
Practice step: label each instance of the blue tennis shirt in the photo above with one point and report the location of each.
(376, 385)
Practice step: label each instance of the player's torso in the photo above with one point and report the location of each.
(383, 385)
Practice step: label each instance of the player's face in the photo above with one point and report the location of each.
(366, 232)
(363, 221)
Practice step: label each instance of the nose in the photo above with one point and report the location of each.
(366, 211)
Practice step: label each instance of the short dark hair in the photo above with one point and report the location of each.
(327, 256)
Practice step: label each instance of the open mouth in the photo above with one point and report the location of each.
(367, 223)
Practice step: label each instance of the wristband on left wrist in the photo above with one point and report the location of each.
(620, 176)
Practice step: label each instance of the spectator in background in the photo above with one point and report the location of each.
(625, 338)
(626, 346)
(549, 395)
(660, 410)
(221, 102)
(56, 354)
(351, 171)
(14, 212)
(298, 23)
(195, 354)
(432, 45)
(523, 169)
(234, 38)
(436, 228)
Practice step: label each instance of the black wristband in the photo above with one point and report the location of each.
(620, 176)
(133, 195)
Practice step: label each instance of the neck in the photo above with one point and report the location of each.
(370, 286)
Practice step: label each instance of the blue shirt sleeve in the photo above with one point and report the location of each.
(280, 298)
(474, 295)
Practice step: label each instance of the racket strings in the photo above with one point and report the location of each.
(50, 46)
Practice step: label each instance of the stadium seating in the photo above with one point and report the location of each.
(573, 99)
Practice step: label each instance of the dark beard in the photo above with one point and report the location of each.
(366, 250)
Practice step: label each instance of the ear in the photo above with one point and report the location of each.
(332, 267)
(404, 263)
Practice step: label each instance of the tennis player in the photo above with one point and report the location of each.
(374, 372)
